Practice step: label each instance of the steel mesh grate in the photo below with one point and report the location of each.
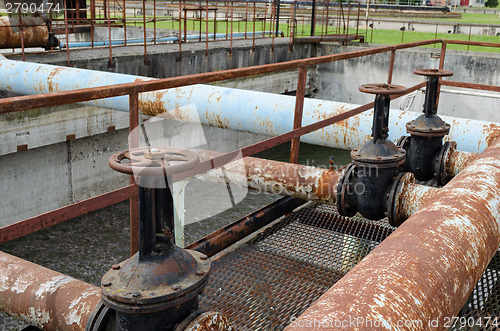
(275, 276)
(482, 311)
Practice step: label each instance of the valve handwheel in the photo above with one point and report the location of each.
(433, 72)
(154, 161)
(383, 89)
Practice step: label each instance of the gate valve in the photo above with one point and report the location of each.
(365, 183)
(158, 287)
(425, 149)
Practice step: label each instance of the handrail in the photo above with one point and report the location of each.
(15, 104)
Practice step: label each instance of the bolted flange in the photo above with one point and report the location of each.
(164, 280)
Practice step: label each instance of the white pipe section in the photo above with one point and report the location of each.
(256, 112)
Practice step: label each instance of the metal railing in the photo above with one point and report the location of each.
(15, 104)
(197, 21)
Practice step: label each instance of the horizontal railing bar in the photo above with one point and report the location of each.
(65, 213)
(14, 104)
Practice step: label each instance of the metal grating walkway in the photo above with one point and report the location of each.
(282, 271)
(482, 311)
(274, 277)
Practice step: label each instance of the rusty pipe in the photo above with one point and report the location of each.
(45, 298)
(294, 180)
(423, 273)
(456, 161)
(407, 198)
(34, 32)
(239, 229)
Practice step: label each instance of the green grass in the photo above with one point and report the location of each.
(384, 37)
(471, 18)
(390, 37)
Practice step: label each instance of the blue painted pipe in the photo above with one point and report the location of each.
(241, 110)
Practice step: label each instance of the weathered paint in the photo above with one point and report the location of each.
(294, 180)
(45, 298)
(35, 32)
(413, 197)
(208, 321)
(456, 161)
(425, 271)
(257, 112)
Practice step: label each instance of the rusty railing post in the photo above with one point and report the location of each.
(231, 42)
(254, 22)
(66, 31)
(92, 20)
(108, 10)
(299, 106)
(179, 38)
(215, 21)
(313, 18)
(227, 20)
(124, 24)
(144, 23)
(21, 33)
(273, 22)
(391, 66)
(442, 54)
(134, 202)
(206, 32)
(154, 21)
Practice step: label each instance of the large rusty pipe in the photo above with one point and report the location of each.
(422, 274)
(34, 32)
(258, 112)
(45, 298)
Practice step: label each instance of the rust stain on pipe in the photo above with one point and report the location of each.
(35, 32)
(45, 298)
(424, 272)
(413, 197)
(299, 181)
(295, 180)
(457, 161)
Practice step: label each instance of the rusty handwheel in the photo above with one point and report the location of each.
(383, 89)
(433, 72)
(154, 161)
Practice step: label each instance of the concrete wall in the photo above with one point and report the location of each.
(339, 81)
(166, 61)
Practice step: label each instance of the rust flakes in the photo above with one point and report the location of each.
(491, 132)
(151, 104)
(51, 85)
